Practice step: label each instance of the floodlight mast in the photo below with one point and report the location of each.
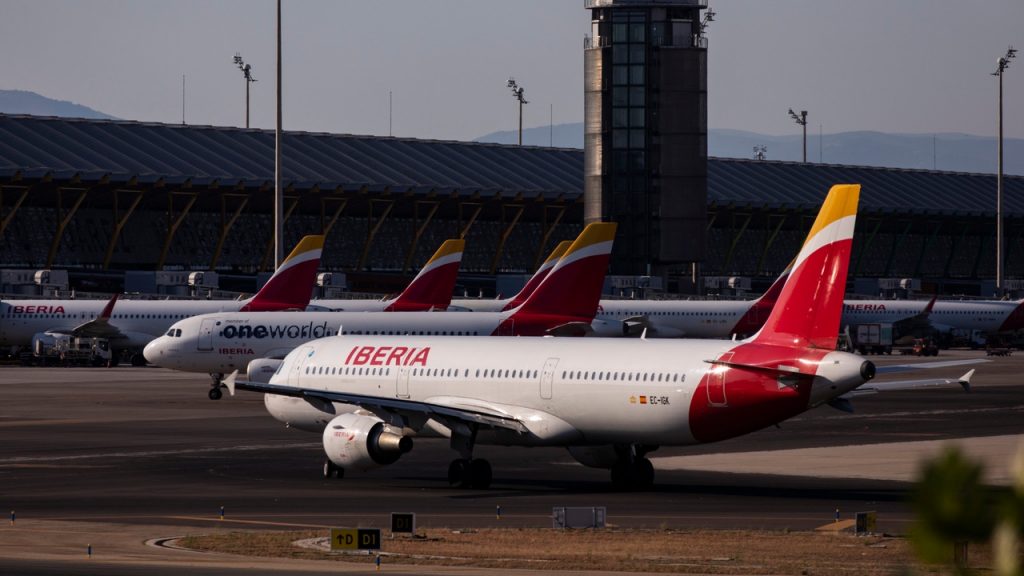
(247, 74)
(518, 93)
(1002, 64)
(801, 119)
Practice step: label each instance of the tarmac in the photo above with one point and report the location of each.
(120, 457)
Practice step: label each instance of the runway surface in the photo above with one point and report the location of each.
(142, 453)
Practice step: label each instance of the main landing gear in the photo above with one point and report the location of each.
(633, 471)
(468, 472)
(332, 470)
(215, 392)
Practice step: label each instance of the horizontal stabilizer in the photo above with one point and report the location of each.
(876, 387)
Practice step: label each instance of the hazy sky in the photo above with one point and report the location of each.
(889, 65)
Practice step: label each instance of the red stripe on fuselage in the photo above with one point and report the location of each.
(745, 400)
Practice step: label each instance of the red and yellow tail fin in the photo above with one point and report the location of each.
(539, 275)
(292, 283)
(809, 306)
(573, 287)
(432, 288)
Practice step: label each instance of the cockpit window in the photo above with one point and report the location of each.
(170, 333)
(177, 333)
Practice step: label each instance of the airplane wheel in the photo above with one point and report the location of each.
(138, 360)
(215, 393)
(643, 473)
(331, 470)
(480, 473)
(458, 473)
(622, 475)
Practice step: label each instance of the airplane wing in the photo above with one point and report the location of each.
(383, 407)
(98, 327)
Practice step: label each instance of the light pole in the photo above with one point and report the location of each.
(1002, 65)
(801, 120)
(278, 192)
(247, 73)
(518, 93)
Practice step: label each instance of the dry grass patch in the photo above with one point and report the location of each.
(704, 552)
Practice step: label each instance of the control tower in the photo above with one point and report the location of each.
(645, 133)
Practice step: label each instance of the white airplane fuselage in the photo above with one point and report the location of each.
(573, 392)
(226, 342)
(139, 320)
(988, 316)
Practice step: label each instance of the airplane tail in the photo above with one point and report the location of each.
(432, 288)
(573, 286)
(539, 275)
(292, 283)
(761, 308)
(810, 304)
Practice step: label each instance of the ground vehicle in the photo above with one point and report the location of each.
(873, 339)
(921, 347)
(67, 350)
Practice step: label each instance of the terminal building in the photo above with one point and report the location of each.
(99, 198)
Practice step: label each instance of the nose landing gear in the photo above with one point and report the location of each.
(215, 388)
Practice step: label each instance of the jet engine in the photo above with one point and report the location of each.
(354, 441)
(609, 328)
(261, 369)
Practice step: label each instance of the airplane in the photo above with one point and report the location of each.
(695, 318)
(501, 304)
(563, 304)
(610, 402)
(431, 289)
(131, 324)
(985, 316)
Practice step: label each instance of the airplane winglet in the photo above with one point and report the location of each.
(965, 380)
(229, 382)
(109, 308)
(931, 304)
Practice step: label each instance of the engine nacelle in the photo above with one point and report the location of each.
(310, 414)
(609, 328)
(354, 441)
(261, 369)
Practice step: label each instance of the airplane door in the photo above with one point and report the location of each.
(716, 382)
(205, 341)
(402, 383)
(547, 377)
(301, 357)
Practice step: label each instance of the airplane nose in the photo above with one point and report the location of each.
(154, 351)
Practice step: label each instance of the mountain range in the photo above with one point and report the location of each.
(24, 102)
(950, 152)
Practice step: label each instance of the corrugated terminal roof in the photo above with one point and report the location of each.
(32, 146)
